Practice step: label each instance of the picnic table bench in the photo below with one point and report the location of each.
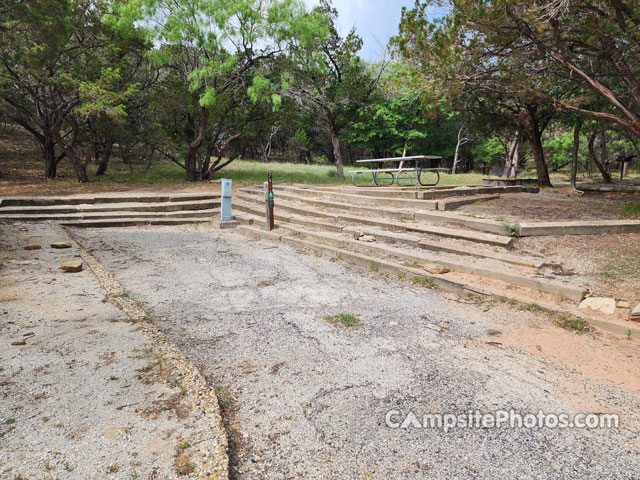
(389, 176)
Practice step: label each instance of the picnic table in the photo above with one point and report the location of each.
(390, 176)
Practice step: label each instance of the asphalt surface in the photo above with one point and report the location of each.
(306, 398)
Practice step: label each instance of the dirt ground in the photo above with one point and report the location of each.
(558, 205)
(609, 263)
(305, 398)
(21, 170)
(84, 393)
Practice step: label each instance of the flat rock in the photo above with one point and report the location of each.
(623, 304)
(367, 238)
(61, 245)
(72, 266)
(436, 269)
(32, 246)
(600, 304)
(636, 312)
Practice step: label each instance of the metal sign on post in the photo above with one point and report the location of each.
(226, 219)
(269, 202)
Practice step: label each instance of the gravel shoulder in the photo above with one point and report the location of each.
(305, 398)
(85, 393)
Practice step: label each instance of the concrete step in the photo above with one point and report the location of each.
(434, 246)
(455, 233)
(355, 199)
(173, 206)
(209, 213)
(258, 212)
(371, 219)
(133, 222)
(481, 224)
(119, 197)
(317, 202)
(503, 274)
(453, 203)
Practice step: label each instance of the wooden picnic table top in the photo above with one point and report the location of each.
(399, 159)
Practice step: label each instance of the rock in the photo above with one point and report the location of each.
(600, 304)
(72, 266)
(436, 269)
(367, 238)
(61, 245)
(623, 304)
(635, 314)
(32, 246)
(357, 235)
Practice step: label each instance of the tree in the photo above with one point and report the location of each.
(590, 43)
(463, 58)
(60, 65)
(330, 76)
(211, 47)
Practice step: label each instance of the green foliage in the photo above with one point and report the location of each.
(630, 210)
(490, 151)
(424, 281)
(347, 320)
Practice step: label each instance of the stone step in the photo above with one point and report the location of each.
(481, 224)
(370, 219)
(592, 227)
(356, 200)
(209, 213)
(316, 202)
(259, 213)
(455, 233)
(505, 276)
(133, 222)
(453, 203)
(114, 207)
(419, 242)
(120, 197)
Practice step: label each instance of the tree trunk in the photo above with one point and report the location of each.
(604, 152)
(105, 155)
(50, 162)
(79, 166)
(513, 156)
(576, 148)
(535, 139)
(190, 161)
(592, 154)
(335, 142)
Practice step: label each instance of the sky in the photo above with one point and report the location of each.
(375, 20)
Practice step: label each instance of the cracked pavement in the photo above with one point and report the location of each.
(310, 397)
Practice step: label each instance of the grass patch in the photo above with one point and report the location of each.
(345, 319)
(402, 275)
(534, 308)
(225, 400)
(412, 265)
(513, 230)
(424, 282)
(571, 322)
(184, 465)
(113, 468)
(621, 265)
(477, 299)
(374, 267)
(629, 210)
(10, 421)
(267, 283)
